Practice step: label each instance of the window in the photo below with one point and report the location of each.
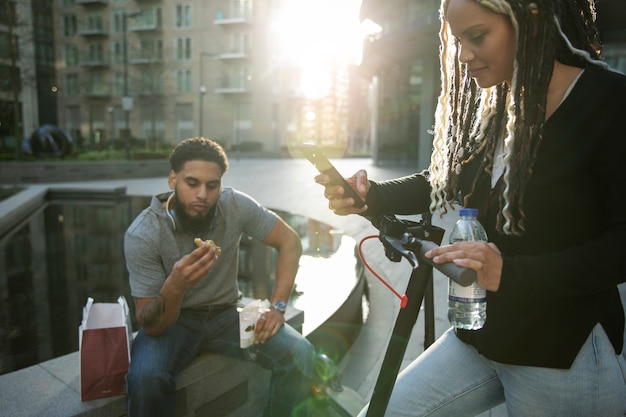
(151, 50)
(72, 86)
(242, 125)
(95, 53)
(242, 8)
(72, 121)
(117, 21)
(240, 42)
(150, 18)
(97, 85)
(118, 83)
(182, 49)
(42, 22)
(70, 53)
(183, 81)
(67, 3)
(184, 121)
(45, 55)
(153, 121)
(117, 50)
(69, 25)
(5, 45)
(94, 23)
(152, 82)
(182, 16)
(7, 75)
(242, 77)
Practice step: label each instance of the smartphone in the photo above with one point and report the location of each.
(323, 165)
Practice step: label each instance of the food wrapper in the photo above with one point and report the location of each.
(248, 316)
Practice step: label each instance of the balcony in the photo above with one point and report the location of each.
(145, 58)
(232, 90)
(145, 27)
(232, 85)
(244, 18)
(94, 61)
(234, 54)
(148, 20)
(92, 30)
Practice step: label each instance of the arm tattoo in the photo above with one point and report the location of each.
(153, 311)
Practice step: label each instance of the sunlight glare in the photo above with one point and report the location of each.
(317, 35)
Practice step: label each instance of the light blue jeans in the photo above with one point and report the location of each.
(155, 361)
(452, 379)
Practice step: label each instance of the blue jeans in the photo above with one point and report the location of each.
(452, 379)
(155, 361)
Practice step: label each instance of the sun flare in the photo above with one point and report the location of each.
(317, 36)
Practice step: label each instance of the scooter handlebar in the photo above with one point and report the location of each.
(463, 276)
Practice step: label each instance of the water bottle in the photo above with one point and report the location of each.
(467, 306)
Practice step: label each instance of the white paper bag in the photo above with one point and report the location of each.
(248, 316)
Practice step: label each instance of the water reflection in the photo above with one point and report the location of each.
(71, 249)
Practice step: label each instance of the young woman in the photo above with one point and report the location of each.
(528, 129)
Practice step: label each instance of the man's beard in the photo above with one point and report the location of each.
(199, 224)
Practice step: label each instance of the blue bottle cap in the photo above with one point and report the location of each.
(471, 212)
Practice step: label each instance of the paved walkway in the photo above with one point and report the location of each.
(287, 184)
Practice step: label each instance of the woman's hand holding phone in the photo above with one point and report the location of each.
(338, 201)
(345, 195)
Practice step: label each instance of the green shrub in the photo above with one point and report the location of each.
(103, 155)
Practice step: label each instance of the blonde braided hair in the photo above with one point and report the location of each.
(469, 120)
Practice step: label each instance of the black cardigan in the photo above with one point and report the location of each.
(560, 278)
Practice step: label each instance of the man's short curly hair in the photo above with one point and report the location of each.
(198, 149)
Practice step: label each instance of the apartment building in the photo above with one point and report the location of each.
(160, 71)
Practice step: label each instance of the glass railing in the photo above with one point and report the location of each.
(71, 247)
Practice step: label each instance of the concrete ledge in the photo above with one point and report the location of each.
(211, 385)
(68, 171)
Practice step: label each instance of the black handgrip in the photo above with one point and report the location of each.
(408, 246)
(463, 276)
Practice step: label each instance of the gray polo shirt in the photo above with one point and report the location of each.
(152, 247)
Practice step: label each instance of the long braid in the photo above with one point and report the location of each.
(529, 90)
(468, 123)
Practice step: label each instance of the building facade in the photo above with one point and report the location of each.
(160, 71)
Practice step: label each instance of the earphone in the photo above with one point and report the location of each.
(171, 214)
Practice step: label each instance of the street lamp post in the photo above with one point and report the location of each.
(127, 101)
(110, 110)
(202, 91)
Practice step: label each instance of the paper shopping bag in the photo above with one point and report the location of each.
(105, 336)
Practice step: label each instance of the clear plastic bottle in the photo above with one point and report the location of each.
(467, 306)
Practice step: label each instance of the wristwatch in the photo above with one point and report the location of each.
(280, 305)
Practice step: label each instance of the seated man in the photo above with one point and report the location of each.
(186, 295)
